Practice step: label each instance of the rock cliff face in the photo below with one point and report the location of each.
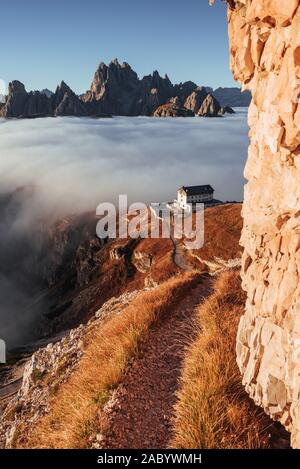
(210, 107)
(115, 90)
(85, 281)
(172, 109)
(232, 97)
(19, 103)
(195, 100)
(265, 57)
(64, 102)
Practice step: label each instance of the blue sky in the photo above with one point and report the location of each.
(44, 42)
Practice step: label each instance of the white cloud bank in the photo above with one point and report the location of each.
(78, 163)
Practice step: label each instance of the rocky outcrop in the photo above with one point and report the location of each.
(265, 57)
(16, 100)
(172, 109)
(115, 90)
(210, 107)
(48, 369)
(198, 103)
(142, 261)
(64, 102)
(47, 92)
(195, 100)
(82, 275)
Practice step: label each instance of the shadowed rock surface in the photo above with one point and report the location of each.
(232, 97)
(172, 109)
(195, 100)
(210, 107)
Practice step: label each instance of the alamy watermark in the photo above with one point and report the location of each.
(159, 220)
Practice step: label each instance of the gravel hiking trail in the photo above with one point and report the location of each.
(140, 412)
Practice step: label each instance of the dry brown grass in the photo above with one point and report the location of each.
(213, 409)
(74, 411)
(222, 232)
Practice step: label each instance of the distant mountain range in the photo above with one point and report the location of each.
(233, 97)
(117, 90)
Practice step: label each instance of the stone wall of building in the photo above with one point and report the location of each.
(265, 57)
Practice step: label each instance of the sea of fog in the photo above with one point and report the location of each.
(78, 162)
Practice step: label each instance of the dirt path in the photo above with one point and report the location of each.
(140, 413)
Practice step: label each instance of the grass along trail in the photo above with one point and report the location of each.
(140, 413)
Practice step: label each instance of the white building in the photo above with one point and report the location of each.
(194, 194)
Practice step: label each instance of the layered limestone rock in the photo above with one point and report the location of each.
(265, 57)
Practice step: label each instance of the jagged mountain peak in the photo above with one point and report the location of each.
(116, 89)
(115, 62)
(102, 66)
(16, 86)
(63, 87)
(126, 65)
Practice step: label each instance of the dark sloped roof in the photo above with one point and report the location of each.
(198, 190)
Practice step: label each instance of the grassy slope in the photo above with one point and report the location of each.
(74, 411)
(213, 409)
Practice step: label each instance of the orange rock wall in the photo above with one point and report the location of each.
(265, 57)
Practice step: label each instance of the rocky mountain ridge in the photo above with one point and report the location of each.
(233, 96)
(115, 90)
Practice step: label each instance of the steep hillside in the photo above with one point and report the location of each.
(137, 303)
(63, 272)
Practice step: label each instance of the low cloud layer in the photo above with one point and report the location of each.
(78, 163)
